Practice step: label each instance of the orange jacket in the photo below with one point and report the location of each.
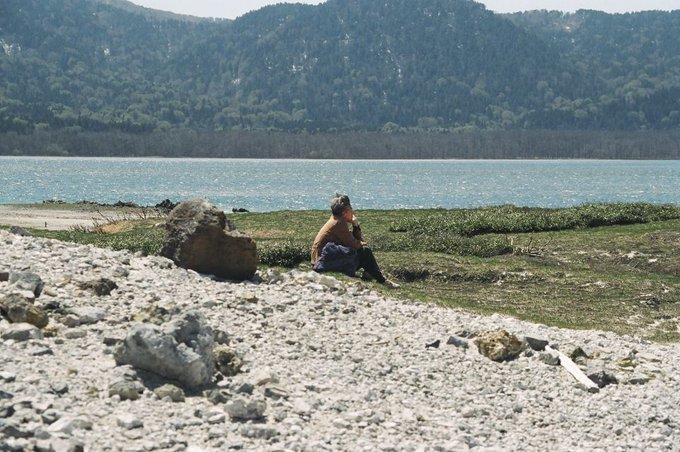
(336, 230)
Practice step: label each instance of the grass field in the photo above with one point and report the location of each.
(610, 267)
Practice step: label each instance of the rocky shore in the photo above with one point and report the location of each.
(302, 362)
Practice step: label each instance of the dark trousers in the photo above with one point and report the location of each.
(368, 263)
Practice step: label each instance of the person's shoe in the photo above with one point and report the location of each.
(390, 284)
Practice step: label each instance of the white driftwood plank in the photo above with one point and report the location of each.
(571, 367)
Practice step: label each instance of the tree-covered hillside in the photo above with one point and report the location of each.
(95, 65)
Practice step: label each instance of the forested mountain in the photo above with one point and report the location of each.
(344, 65)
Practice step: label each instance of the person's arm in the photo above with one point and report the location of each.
(356, 229)
(342, 235)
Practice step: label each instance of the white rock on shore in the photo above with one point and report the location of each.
(326, 366)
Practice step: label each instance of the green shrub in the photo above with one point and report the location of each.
(283, 253)
(511, 219)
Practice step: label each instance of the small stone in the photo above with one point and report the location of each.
(578, 353)
(129, 421)
(50, 292)
(59, 388)
(551, 360)
(240, 408)
(175, 393)
(275, 392)
(6, 411)
(100, 287)
(457, 342)
(262, 377)
(499, 345)
(22, 332)
(216, 417)
(75, 334)
(126, 390)
(258, 431)
(250, 297)
(434, 344)
(536, 343)
(50, 416)
(226, 361)
(216, 396)
(627, 363)
(18, 309)
(8, 376)
(88, 316)
(301, 407)
(27, 281)
(69, 424)
(602, 378)
(242, 388)
(639, 379)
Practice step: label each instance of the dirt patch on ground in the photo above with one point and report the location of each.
(113, 228)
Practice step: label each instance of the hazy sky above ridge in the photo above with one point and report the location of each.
(233, 8)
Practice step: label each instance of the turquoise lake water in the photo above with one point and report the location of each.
(266, 185)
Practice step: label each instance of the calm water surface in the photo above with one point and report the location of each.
(266, 185)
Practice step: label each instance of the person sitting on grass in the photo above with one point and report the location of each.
(335, 248)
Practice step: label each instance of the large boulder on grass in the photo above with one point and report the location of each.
(199, 237)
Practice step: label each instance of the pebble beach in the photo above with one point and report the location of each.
(323, 365)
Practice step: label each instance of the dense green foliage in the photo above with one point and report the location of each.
(391, 66)
(511, 219)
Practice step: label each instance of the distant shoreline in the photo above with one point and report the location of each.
(458, 144)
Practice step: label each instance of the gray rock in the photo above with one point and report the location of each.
(457, 341)
(88, 315)
(216, 396)
(273, 391)
(8, 377)
(639, 379)
(199, 237)
(240, 408)
(551, 360)
(176, 394)
(68, 425)
(129, 421)
(57, 444)
(536, 343)
(17, 309)
(22, 332)
(50, 416)
(27, 281)
(181, 350)
(11, 430)
(59, 387)
(126, 389)
(242, 388)
(258, 431)
(602, 378)
(100, 287)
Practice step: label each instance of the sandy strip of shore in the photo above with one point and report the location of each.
(52, 218)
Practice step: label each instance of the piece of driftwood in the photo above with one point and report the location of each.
(572, 368)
